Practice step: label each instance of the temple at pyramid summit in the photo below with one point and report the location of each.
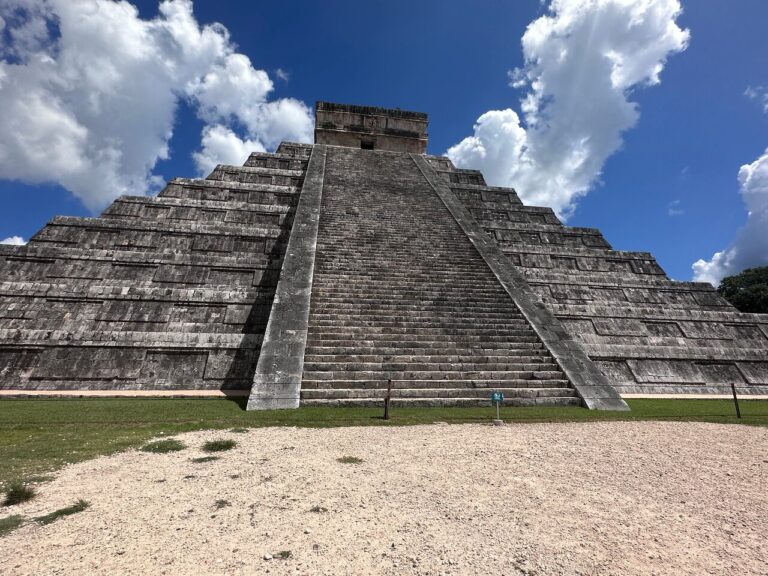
(324, 273)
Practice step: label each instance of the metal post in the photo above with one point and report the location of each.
(387, 398)
(736, 400)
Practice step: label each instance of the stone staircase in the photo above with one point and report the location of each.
(400, 293)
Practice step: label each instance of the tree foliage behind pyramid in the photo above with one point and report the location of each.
(747, 291)
(322, 274)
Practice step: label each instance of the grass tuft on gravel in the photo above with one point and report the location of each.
(78, 506)
(350, 460)
(222, 504)
(39, 435)
(9, 524)
(284, 554)
(240, 430)
(219, 445)
(318, 509)
(163, 446)
(18, 492)
(202, 459)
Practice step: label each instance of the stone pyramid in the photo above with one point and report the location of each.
(323, 273)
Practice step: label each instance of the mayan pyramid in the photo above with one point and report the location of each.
(319, 274)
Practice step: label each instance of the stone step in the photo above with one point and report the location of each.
(384, 255)
(417, 309)
(479, 357)
(418, 312)
(317, 353)
(382, 384)
(419, 323)
(486, 365)
(455, 374)
(411, 342)
(416, 282)
(443, 402)
(401, 333)
(335, 393)
(441, 287)
(393, 297)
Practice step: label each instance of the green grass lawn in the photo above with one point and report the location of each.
(37, 436)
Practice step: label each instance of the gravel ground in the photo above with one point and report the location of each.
(598, 498)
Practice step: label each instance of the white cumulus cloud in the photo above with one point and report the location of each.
(14, 241)
(89, 91)
(750, 248)
(221, 145)
(582, 61)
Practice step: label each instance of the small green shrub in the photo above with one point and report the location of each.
(202, 459)
(284, 554)
(318, 509)
(9, 524)
(222, 504)
(219, 445)
(18, 492)
(163, 446)
(350, 460)
(78, 506)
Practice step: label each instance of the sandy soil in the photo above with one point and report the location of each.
(598, 498)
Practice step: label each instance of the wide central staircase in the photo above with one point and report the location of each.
(400, 293)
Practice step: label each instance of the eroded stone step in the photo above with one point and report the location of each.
(443, 402)
(382, 384)
(424, 351)
(418, 324)
(399, 333)
(411, 342)
(417, 309)
(334, 393)
(343, 366)
(480, 357)
(434, 375)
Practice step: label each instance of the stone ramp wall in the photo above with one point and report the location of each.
(646, 332)
(171, 292)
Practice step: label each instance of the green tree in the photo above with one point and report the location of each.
(747, 291)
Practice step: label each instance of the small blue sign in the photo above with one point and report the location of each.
(497, 397)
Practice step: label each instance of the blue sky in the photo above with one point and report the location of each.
(671, 188)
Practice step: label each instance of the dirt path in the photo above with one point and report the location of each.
(598, 498)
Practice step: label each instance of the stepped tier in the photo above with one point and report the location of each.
(646, 332)
(164, 293)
